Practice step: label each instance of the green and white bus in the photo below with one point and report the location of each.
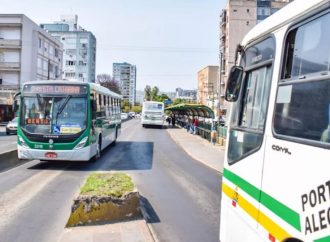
(276, 179)
(66, 120)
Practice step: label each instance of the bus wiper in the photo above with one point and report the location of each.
(61, 108)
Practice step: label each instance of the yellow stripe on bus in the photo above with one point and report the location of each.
(274, 229)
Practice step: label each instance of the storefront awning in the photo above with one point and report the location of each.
(192, 110)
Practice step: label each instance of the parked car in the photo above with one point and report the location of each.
(131, 114)
(124, 116)
(12, 126)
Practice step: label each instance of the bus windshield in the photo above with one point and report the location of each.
(153, 106)
(63, 115)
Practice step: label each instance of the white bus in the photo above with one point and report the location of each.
(276, 180)
(152, 113)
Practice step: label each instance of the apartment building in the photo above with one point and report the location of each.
(27, 53)
(79, 59)
(125, 75)
(207, 87)
(236, 20)
(189, 95)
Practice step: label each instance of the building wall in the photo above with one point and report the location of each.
(125, 75)
(19, 52)
(79, 58)
(236, 20)
(207, 83)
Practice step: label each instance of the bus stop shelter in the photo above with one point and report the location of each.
(195, 110)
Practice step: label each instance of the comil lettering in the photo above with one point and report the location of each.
(315, 198)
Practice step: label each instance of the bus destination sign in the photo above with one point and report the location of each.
(55, 89)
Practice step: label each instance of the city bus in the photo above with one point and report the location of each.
(66, 120)
(276, 178)
(152, 113)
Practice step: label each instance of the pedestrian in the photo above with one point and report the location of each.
(173, 120)
(195, 123)
(187, 124)
(213, 134)
(168, 120)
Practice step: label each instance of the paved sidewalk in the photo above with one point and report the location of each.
(198, 148)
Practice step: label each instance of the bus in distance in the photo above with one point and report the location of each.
(276, 180)
(152, 113)
(66, 120)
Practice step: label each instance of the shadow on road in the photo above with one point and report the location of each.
(132, 156)
(119, 157)
(148, 211)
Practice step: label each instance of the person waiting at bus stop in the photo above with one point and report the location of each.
(195, 124)
(173, 120)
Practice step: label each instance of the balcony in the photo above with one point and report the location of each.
(10, 44)
(10, 66)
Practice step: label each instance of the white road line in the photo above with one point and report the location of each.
(14, 200)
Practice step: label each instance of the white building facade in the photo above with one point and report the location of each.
(125, 75)
(27, 53)
(79, 58)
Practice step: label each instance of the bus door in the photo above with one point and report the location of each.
(245, 154)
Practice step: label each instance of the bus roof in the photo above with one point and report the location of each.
(93, 86)
(285, 15)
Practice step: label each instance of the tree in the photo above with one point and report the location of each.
(107, 81)
(154, 93)
(147, 93)
(137, 109)
(162, 98)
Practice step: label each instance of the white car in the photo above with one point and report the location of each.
(12, 126)
(124, 116)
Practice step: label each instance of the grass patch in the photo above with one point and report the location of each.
(107, 184)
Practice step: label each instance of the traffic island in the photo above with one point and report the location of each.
(105, 197)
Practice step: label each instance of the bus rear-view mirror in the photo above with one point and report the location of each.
(234, 83)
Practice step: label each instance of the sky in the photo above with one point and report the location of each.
(169, 41)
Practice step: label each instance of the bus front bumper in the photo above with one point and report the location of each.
(82, 154)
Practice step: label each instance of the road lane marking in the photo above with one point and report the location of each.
(14, 200)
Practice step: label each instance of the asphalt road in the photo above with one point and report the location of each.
(181, 195)
(7, 142)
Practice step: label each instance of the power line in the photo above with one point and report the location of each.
(166, 49)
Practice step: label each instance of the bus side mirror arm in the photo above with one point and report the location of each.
(15, 102)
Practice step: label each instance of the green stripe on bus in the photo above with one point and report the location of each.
(325, 239)
(281, 210)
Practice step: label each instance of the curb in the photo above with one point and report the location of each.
(146, 217)
(9, 160)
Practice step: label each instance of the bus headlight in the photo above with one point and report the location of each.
(22, 142)
(81, 144)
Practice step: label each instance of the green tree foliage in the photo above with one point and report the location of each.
(178, 101)
(147, 93)
(154, 93)
(162, 98)
(137, 109)
(107, 81)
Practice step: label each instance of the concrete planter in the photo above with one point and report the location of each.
(101, 209)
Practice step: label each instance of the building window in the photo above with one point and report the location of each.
(70, 63)
(40, 43)
(56, 52)
(70, 74)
